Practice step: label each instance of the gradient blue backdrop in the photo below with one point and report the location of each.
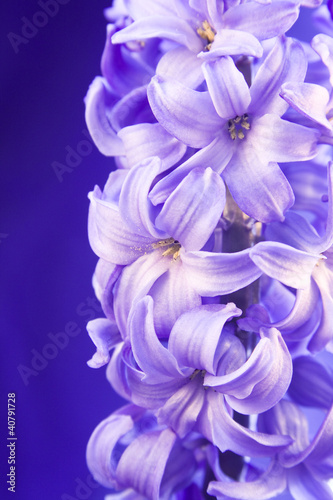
(46, 262)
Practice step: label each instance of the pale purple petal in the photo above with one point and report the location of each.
(303, 486)
(269, 484)
(156, 361)
(105, 276)
(229, 42)
(173, 295)
(142, 464)
(101, 444)
(185, 113)
(216, 424)
(109, 236)
(135, 207)
(286, 62)
(192, 211)
(323, 276)
(284, 263)
(150, 139)
(282, 141)
(308, 99)
(181, 411)
(135, 282)
(195, 338)
(260, 189)
(217, 155)
(263, 21)
(170, 27)
(183, 65)
(262, 381)
(139, 9)
(99, 101)
(105, 335)
(227, 87)
(213, 274)
(323, 45)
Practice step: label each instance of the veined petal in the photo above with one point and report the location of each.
(195, 338)
(192, 211)
(181, 411)
(308, 99)
(105, 335)
(217, 155)
(262, 381)
(303, 485)
(262, 20)
(227, 87)
(101, 444)
(181, 64)
(286, 62)
(323, 45)
(157, 362)
(229, 42)
(135, 207)
(143, 462)
(173, 295)
(259, 188)
(269, 484)
(144, 140)
(284, 263)
(99, 101)
(323, 277)
(135, 282)
(123, 72)
(109, 236)
(185, 113)
(282, 141)
(218, 274)
(216, 424)
(170, 27)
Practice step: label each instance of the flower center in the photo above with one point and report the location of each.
(173, 247)
(206, 32)
(236, 126)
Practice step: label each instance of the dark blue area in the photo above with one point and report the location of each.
(46, 261)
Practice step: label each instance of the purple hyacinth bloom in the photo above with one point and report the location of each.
(205, 30)
(303, 468)
(129, 451)
(298, 257)
(195, 382)
(239, 129)
(161, 246)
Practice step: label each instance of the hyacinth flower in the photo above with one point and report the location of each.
(161, 246)
(202, 375)
(287, 258)
(205, 30)
(117, 102)
(238, 129)
(129, 451)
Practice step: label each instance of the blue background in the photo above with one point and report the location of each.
(46, 261)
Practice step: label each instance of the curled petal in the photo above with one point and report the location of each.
(150, 139)
(192, 211)
(262, 381)
(185, 113)
(229, 42)
(105, 336)
(216, 424)
(195, 337)
(99, 102)
(213, 274)
(227, 87)
(272, 482)
(284, 263)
